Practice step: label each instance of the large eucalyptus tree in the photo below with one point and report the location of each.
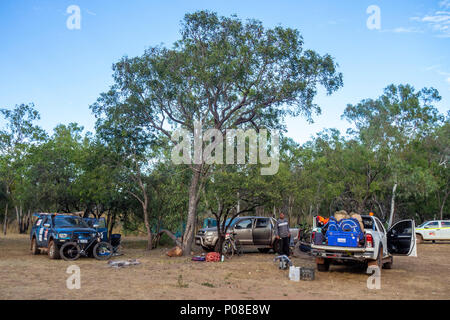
(224, 73)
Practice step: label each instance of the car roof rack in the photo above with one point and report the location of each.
(36, 214)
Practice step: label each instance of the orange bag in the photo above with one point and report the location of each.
(322, 220)
(212, 257)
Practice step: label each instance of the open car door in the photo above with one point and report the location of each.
(401, 239)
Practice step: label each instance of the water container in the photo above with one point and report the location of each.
(294, 273)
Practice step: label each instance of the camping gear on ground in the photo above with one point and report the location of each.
(123, 263)
(294, 273)
(198, 258)
(213, 257)
(307, 274)
(348, 233)
(175, 252)
(284, 262)
(339, 215)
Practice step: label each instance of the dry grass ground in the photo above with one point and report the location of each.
(251, 276)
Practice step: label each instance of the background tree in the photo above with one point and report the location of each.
(389, 124)
(19, 134)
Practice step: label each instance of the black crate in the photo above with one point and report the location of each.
(307, 274)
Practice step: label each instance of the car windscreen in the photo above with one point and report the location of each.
(69, 222)
(421, 225)
(92, 221)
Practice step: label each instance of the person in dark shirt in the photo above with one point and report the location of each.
(282, 233)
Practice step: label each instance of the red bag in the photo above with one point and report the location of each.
(212, 257)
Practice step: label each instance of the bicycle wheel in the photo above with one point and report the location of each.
(103, 251)
(70, 251)
(228, 249)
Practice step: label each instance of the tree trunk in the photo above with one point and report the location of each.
(5, 220)
(238, 202)
(443, 205)
(147, 223)
(391, 217)
(112, 222)
(290, 205)
(188, 237)
(18, 218)
(27, 222)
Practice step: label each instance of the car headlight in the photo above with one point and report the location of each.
(63, 235)
(94, 234)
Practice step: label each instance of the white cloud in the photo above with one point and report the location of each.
(444, 4)
(439, 21)
(405, 30)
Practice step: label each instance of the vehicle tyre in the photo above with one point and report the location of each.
(227, 249)
(53, 252)
(34, 247)
(379, 261)
(264, 250)
(323, 267)
(388, 265)
(70, 251)
(103, 250)
(419, 238)
(277, 246)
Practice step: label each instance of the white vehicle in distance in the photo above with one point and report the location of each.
(433, 230)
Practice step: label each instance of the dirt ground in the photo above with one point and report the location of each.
(250, 276)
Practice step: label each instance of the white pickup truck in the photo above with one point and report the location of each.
(433, 231)
(377, 248)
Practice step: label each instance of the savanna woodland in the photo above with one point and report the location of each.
(227, 74)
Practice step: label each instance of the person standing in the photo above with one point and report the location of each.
(282, 233)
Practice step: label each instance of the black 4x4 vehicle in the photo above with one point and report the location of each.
(50, 231)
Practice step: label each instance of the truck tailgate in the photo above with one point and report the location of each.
(339, 249)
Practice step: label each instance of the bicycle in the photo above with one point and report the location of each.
(231, 246)
(76, 248)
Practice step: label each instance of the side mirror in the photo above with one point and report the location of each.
(95, 225)
(47, 225)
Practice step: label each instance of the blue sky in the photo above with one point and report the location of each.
(63, 71)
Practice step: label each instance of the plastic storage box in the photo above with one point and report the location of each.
(343, 239)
